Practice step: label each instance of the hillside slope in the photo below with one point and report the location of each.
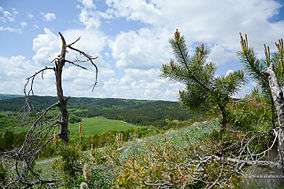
(8, 96)
(142, 112)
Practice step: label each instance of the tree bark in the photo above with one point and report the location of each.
(60, 62)
(62, 105)
(278, 101)
(274, 115)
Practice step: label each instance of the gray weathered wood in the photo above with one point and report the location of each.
(278, 100)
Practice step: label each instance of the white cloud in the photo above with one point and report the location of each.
(143, 49)
(10, 29)
(13, 72)
(216, 23)
(31, 16)
(89, 16)
(88, 4)
(229, 72)
(50, 16)
(91, 41)
(141, 10)
(45, 46)
(221, 55)
(7, 21)
(23, 24)
(139, 84)
(7, 16)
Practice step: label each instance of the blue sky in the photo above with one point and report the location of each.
(66, 17)
(130, 38)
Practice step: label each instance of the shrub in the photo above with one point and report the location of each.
(74, 119)
(3, 174)
(252, 114)
(101, 177)
(159, 158)
(70, 164)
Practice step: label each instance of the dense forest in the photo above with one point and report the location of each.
(141, 112)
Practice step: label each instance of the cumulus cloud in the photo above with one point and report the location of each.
(139, 84)
(143, 49)
(50, 16)
(142, 10)
(89, 15)
(215, 23)
(45, 46)
(13, 72)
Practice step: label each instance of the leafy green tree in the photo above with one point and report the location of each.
(255, 67)
(203, 90)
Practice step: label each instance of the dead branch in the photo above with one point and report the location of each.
(91, 60)
(78, 65)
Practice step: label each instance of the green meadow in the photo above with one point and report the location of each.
(99, 125)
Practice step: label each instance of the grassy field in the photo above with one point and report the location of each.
(97, 125)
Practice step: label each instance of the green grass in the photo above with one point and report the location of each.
(98, 125)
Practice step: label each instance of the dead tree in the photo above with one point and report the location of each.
(271, 75)
(21, 159)
(59, 62)
(278, 99)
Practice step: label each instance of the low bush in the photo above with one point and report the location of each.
(69, 164)
(250, 114)
(3, 174)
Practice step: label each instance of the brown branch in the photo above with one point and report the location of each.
(30, 81)
(63, 47)
(90, 58)
(78, 39)
(73, 63)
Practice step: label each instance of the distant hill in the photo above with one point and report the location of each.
(8, 96)
(143, 112)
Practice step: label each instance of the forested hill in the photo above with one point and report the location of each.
(8, 96)
(144, 112)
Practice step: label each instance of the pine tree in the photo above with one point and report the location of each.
(203, 90)
(256, 67)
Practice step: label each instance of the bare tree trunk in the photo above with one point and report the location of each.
(62, 105)
(278, 100)
(273, 112)
(63, 134)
